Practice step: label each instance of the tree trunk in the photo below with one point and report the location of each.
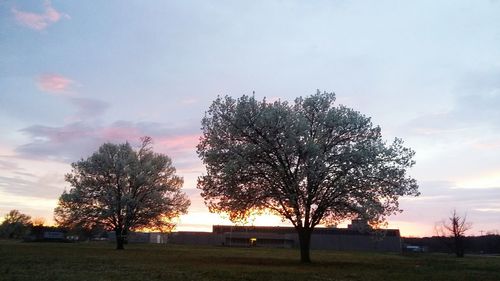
(120, 240)
(305, 243)
(459, 247)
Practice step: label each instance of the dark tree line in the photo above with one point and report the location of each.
(15, 225)
(485, 244)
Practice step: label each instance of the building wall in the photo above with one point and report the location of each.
(322, 240)
(356, 243)
(142, 237)
(196, 238)
(339, 239)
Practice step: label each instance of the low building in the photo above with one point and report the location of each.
(142, 237)
(46, 234)
(357, 237)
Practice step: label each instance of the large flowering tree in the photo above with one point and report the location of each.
(310, 162)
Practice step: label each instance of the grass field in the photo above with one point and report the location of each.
(99, 261)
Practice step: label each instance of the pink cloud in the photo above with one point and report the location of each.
(80, 139)
(177, 143)
(54, 83)
(39, 21)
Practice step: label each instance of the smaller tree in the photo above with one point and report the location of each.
(122, 189)
(15, 225)
(455, 227)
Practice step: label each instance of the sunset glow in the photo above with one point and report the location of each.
(490, 180)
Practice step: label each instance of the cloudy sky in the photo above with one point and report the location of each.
(75, 74)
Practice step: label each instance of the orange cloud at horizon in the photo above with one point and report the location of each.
(489, 179)
(179, 142)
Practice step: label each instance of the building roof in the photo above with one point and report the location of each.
(291, 230)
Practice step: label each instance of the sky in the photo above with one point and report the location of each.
(76, 74)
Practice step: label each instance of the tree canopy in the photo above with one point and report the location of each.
(15, 225)
(311, 162)
(123, 189)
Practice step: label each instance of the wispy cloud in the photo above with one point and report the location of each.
(54, 83)
(47, 186)
(488, 145)
(87, 108)
(27, 203)
(180, 142)
(8, 165)
(476, 104)
(79, 139)
(39, 21)
(189, 100)
(441, 197)
(495, 210)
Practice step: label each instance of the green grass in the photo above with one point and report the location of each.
(99, 261)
